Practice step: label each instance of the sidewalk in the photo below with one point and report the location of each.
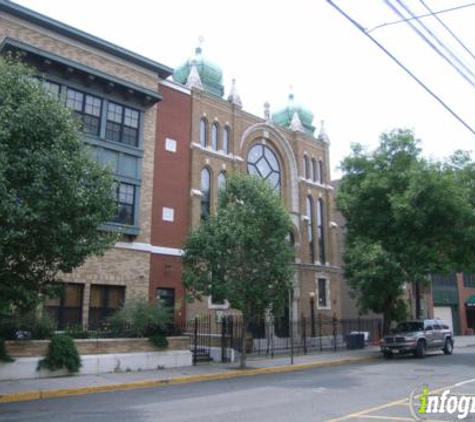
(85, 384)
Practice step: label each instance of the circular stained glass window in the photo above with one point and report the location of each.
(262, 162)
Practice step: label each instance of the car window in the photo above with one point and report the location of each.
(429, 328)
(437, 327)
(409, 326)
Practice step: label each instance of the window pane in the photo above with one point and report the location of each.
(131, 118)
(205, 193)
(130, 136)
(52, 87)
(214, 137)
(226, 140)
(93, 106)
(203, 132)
(125, 204)
(75, 99)
(113, 131)
(322, 292)
(114, 113)
(91, 124)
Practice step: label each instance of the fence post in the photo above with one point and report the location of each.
(223, 339)
(320, 331)
(304, 335)
(335, 322)
(195, 341)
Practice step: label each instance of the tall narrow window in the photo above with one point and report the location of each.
(87, 108)
(310, 229)
(203, 133)
(321, 231)
(322, 293)
(314, 170)
(225, 146)
(66, 309)
(221, 185)
(122, 124)
(321, 176)
(214, 136)
(205, 193)
(306, 167)
(104, 301)
(125, 197)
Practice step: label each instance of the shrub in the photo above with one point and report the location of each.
(159, 340)
(140, 318)
(4, 356)
(40, 327)
(62, 353)
(8, 327)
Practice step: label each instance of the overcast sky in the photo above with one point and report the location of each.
(334, 69)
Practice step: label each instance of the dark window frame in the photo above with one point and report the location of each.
(203, 132)
(205, 201)
(82, 115)
(123, 136)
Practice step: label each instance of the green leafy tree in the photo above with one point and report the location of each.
(241, 254)
(405, 215)
(53, 194)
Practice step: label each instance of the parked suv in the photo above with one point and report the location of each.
(417, 337)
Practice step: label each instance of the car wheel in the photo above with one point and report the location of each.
(448, 347)
(388, 355)
(421, 350)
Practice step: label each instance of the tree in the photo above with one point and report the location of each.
(53, 194)
(412, 214)
(242, 253)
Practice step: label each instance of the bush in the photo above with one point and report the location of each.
(159, 340)
(40, 327)
(62, 353)
(8, 327)
(4, 356)
(140, 318)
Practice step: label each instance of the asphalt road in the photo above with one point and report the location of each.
(361, 392)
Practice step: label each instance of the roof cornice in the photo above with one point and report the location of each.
(83, 37)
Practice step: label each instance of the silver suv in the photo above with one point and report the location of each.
(418, 337)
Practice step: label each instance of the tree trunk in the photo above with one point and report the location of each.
(242, 361)
(386, 321)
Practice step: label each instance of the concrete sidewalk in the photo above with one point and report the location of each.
(85, 384)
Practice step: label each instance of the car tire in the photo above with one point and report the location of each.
(448, 347)
(388, 355)
(420, 350)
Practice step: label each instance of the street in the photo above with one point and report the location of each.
(363, 392)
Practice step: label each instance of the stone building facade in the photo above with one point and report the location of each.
(114, 92)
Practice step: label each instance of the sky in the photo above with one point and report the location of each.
(305, 46)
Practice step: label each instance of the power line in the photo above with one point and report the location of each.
(433, 46)
(421, 16)
(400, 64)
(448, 30)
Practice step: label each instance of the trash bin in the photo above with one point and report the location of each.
(355, 341)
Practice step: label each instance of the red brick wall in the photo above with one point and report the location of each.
(171, 189)
(464, 294)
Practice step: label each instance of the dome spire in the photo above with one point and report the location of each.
(194, 80)
(233, 96)
(296, 123)
(323, 133)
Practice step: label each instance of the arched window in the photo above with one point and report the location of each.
(314, 170)
(321, 175)
(225, 146)
(214, 136)
(310, 229)
(262, 162)
(321, 231)
(203, 133)
(221, 186)
(205, 193)
(306, 167)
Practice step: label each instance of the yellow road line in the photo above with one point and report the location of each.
(386, 418)
(43, 394)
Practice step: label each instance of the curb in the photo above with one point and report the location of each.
(46, 394)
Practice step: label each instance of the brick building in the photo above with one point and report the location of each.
(114, 92)
(281, 148)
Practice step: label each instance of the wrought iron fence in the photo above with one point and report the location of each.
(220, 338)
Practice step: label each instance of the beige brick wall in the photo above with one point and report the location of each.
(118, 266)
(20, 349)
(215, 109)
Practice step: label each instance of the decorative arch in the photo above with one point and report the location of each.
(288, 156)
